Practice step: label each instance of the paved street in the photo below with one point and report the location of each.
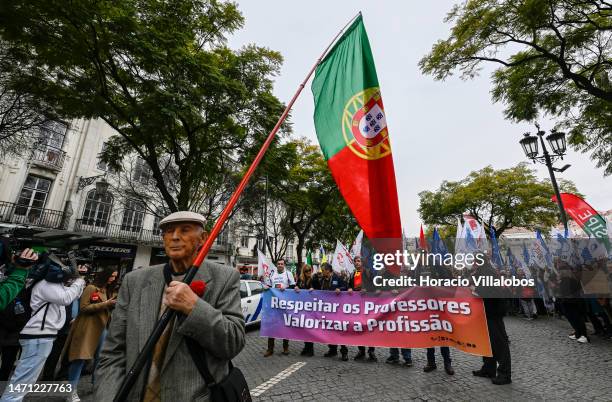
(547, 365)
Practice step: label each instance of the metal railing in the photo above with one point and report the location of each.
(25, 215)
(124, 233)
(129, 234)
(48, 156)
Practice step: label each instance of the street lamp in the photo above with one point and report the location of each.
(556, 140)
(101, 185)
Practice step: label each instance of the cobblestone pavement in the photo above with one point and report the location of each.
(546, 366)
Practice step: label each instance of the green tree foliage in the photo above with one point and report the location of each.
(22, 117)
(554, 58)
(157, 72)
(501, 199)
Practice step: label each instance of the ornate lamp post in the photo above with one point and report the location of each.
(556, 140)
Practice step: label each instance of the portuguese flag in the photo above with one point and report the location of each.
(352, 130)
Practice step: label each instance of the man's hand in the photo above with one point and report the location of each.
(337, 291)
(297, 290)
(26, 259)
(179, 296)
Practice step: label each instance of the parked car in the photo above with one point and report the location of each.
(251, 300)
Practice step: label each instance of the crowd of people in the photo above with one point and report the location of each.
(558, 292)
(54, 321)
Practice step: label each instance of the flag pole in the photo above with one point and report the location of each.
(147, 350)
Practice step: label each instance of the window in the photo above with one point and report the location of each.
(289, 253)
(256, 288)
(101, 164)
(243, 290)
(141, 172)
(244, 241)
(33, 197)
(53, 134)
(97, 209)
(133, 215)
(221, 240)
(156, 228)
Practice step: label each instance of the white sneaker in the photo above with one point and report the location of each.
(75, 397)
(583, 339)
(572, 337)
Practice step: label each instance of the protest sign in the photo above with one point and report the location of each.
(415, 318)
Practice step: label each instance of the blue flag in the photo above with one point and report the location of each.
(547, 254)
(525, 254)
(497, 259)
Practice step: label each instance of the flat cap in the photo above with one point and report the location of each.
(183, 216)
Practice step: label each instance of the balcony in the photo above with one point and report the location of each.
(120, 233)
(48, 156)
(24, 215)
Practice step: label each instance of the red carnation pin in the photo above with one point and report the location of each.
(198, 287)
(95, 297)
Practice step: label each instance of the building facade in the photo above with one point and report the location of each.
(61, 190)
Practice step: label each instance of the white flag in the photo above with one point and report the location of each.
(356, 248)
(459, 246)
(537, 253)
(265, 268)
(342, 260)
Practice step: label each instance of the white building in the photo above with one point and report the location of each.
(51, 191)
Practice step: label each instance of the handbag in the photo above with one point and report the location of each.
(233, 388)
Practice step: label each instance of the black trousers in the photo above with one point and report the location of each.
(334, 348)
(500, 363)
(371, 349)
(9, 355)
(431, 355)
(575, 312)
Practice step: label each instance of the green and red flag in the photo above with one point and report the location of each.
(586, 217)
(352, 129)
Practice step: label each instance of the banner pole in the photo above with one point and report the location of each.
(147, 350)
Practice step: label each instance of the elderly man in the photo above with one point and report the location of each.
(214, 321)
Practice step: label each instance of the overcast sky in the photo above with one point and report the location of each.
(439, 130)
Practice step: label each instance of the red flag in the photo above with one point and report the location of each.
(422, 241)
(586, 216)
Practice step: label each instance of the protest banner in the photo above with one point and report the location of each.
(415, 318)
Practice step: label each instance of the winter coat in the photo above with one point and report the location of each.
(86, 330)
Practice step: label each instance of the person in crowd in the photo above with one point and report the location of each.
(212, 322)
(439, 272)
(357, 282)
(50, 372)
(244, 274)
(331, 282)
(280, 279)
(572, 303)
(498, 366)
(394, 353)
(527, 294)
(95, 308)
(14, 274)
(305, 282)
(48, 299)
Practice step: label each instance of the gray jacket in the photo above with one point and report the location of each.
(216, 322)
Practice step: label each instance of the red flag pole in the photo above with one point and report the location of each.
(132, 375)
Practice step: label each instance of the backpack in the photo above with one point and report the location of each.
(19, 311)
